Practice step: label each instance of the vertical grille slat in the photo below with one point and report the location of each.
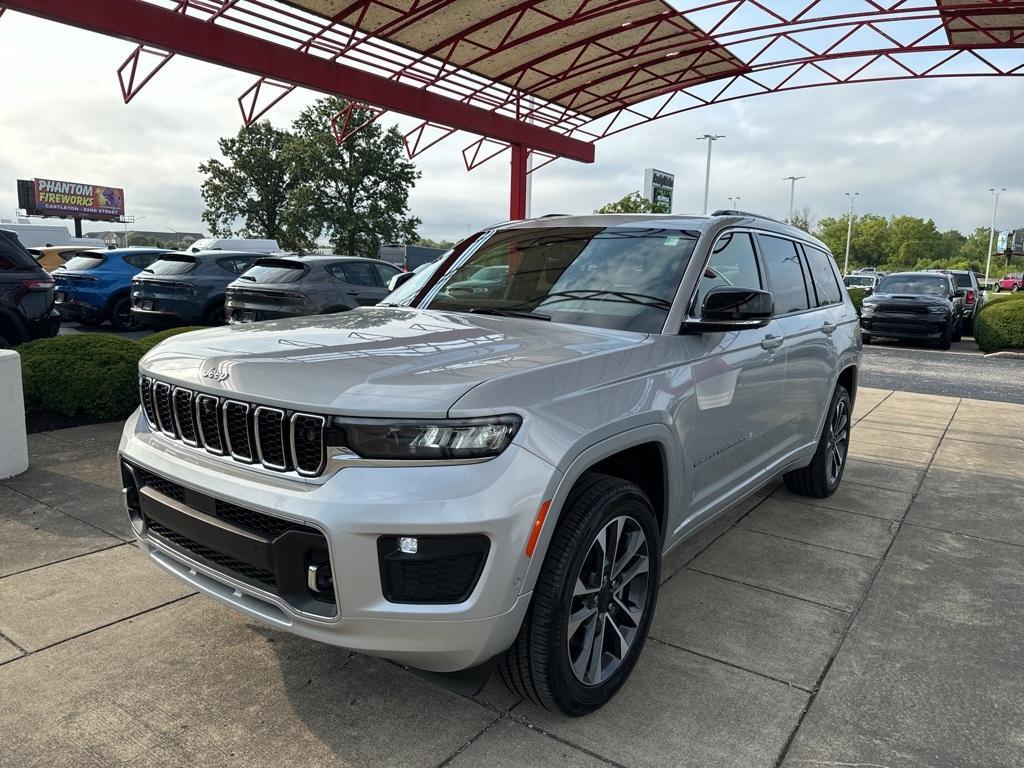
(270, 438)
(185, 416)
(308, 443)
(208, 408)
(237, 430)
(146, 399)
(273, 438)
(164, 412)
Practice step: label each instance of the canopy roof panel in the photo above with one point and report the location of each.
(591, 57)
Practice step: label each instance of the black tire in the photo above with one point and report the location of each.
(968, 327)
(1016, 287)
(5, 343)
(121, 318)
(820, 479)
(538, 665)
(865, 338)
(958, 334)
(998, 288)
(215, 315)
(946, 339)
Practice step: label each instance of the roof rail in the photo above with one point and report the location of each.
(731, 212)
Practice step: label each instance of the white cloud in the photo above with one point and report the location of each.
(925, 148)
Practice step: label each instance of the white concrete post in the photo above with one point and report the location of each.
(13, 442)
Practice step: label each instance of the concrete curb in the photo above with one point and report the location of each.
(13, 440)
(1007, 354)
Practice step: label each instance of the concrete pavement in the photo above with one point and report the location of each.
(878, 627)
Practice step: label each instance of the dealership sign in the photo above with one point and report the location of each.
(658, 186)
(71, 199)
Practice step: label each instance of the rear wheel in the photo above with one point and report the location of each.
(821, 477)
(593, 602)
(1016, 287)
(121, 315)
(214, 315)
(999, 288)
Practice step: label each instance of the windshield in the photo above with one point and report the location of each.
(172, 265)
(852, 280)
(84, 261)
(274, 272)
(406, 292)
(929, 285)
(621, 277)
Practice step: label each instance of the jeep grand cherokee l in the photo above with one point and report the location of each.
(480, 480)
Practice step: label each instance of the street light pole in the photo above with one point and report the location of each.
(849, 231)
(710, 138)
(733, 201)
(792, 192)
(992, 230)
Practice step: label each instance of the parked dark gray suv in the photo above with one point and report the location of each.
(187, 288)
(26, 295)
(291, 286)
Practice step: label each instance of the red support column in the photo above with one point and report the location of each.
(517, 185)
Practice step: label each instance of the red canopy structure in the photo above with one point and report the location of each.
(549, 78)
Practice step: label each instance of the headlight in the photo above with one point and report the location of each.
(867, 309)
(424, 440)
(938, 309)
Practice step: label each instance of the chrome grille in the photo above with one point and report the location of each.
(279, 440)
(185, 416)
(164, 413)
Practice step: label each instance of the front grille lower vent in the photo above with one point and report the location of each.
(279, 440)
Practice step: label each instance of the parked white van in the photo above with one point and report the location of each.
(232, 244)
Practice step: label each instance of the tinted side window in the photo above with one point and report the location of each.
(732, 263)
(385, 272)
(141, 260)
(12, 257)
(822, 276)
(236, 264)
(785, 274)
(358, 273)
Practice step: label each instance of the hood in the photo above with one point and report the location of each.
(372, 361)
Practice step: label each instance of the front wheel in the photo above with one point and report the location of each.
(958, 334)
(821, 477)
(865, 338)
(999, 288)
(593, 602)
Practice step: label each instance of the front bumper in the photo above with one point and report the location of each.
(355, 507)
(902, 326)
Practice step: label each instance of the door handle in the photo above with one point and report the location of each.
(353, 293)
(828, 329)
(771, 342)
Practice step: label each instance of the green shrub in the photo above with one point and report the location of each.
(146, 343)
(857, 296)
(90, 376)
(1000, 325)
(994, 298)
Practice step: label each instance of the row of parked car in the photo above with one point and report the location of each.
(135, 287)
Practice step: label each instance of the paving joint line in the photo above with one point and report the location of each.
(856, 612)
(66, 559)
(111, 624)
(523, 721)
(807, 543)
(733, 665)
(24, 651)
(800, 502)
(65, 512)
(962, 534)
(766, 589)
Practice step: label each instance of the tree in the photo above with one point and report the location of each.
(255, 192)
(802, 219)
(359, 190)
(634, 202)
(444, 245)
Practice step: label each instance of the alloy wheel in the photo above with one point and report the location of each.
(838, 441)
(608, 601)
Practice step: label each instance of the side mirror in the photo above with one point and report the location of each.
(732, 309)
(399, 279)
(868, 291)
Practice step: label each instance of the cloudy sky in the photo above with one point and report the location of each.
(931, 148)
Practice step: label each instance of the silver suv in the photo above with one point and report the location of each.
(492, 479)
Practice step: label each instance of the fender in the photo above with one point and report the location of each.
(562, 484)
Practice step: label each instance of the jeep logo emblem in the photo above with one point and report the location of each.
(217, 374)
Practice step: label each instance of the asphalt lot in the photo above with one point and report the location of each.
(963, 371)
(878, 627)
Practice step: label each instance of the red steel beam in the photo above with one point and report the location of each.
(177, 33)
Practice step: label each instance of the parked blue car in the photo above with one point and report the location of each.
(95, 286)
(187, 288)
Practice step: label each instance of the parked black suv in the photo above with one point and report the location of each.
(26, 295)
(915, 305)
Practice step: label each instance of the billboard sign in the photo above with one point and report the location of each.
(658, 186)
(70, 199)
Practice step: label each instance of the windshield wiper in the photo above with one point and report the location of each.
(620, 297)
(505, 313)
